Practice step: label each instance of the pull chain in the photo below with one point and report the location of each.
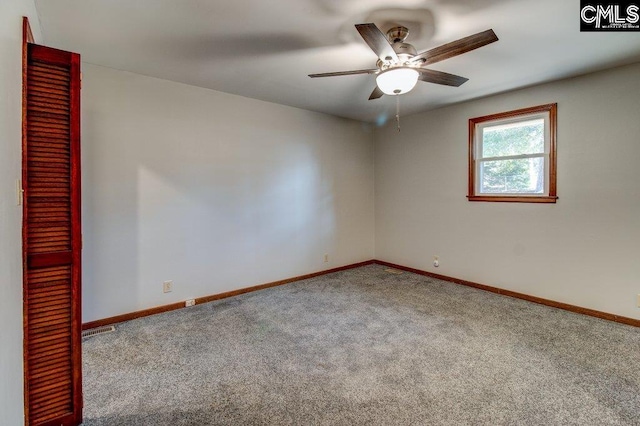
(398, 111)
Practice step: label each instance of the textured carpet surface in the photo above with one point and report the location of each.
(365, 347)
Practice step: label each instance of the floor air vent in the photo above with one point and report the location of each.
(393, 271)
(98, 331)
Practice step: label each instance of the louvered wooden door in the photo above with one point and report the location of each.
(52, 238)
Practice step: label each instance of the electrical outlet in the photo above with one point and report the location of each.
(436, 261)
(167, 286)
(638, 301)
(189, 302)
(326, 258)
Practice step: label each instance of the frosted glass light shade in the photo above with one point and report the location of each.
(397, 81)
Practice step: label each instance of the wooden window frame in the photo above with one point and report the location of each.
(550, 172)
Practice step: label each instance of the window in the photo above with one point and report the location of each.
(512, 156)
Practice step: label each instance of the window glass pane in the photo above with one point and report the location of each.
(522, 176)
(524, 137)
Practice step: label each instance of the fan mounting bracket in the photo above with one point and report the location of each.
(397, 34)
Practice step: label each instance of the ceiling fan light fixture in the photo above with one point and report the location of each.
(396, 81)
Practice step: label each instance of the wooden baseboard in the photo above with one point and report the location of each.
(534, 299)
(178, 305)
(205, 299)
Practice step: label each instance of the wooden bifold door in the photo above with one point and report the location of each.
(52, 237)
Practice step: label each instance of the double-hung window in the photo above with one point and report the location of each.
(512, 156)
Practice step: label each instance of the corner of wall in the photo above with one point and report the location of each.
(11, 359)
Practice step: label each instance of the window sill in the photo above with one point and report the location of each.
(513, 198)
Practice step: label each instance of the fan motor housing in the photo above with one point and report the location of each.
(402, 48)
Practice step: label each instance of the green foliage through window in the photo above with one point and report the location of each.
(515, 139)
(523, 175)
(520, 176)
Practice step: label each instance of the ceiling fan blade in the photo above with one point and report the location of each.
(377, 41)
(455, 48)
(439, 77)
(377, 93)
(333, 74)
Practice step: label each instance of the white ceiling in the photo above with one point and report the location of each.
(265, 49)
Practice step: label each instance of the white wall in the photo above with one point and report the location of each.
(213, 191)
(11, 384)
(584, 250)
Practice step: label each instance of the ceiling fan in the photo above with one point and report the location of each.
(400, 66)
